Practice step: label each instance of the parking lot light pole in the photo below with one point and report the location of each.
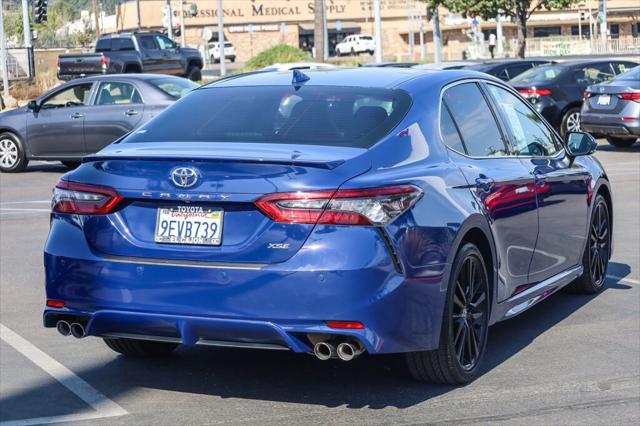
(500, 45)
(603, 25)
(378, 30)
(183, 40)
(223, 71)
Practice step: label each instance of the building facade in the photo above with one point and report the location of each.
(254, 25)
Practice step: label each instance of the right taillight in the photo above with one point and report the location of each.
(77, 198)
(630, 96)
(534, 92)
(370, 206)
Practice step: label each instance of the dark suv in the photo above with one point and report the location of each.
(556, 90)
(147, 52)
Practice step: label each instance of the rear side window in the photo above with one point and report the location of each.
(311, 115)
(594, 74)
(147, 43)
(116, 93)
(475, 122)
(103, 45)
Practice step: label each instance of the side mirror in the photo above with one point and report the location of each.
(580, 143)
(33, 106)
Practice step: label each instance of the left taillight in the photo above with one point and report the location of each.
(363, 207)
(78, 198)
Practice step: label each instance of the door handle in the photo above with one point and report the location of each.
(484, 183)
(130, 112)
(76, 115)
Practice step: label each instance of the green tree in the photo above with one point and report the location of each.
(519, 10)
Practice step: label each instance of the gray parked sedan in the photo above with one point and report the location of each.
(613, 109)
(83, 116)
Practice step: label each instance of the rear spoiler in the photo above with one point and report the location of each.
(329, 165)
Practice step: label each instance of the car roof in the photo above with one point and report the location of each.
(385, 77)
(107, 77)
(581, 62)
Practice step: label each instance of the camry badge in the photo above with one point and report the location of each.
(184, 177)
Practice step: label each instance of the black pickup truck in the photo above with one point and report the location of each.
(147, 52)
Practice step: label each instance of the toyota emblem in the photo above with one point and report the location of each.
(184, 177)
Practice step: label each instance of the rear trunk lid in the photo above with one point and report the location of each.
(231, 177)
(607, 98)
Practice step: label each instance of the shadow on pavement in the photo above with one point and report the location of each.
(373, 382)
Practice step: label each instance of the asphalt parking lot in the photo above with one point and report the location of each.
(571, 359)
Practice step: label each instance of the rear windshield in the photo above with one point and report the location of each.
(176, 87)
(539, 75)
(113, 44)
(311, 115)
(631, 75)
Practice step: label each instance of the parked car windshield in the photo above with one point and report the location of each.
(539, 75)
(176, 87)
(310, 115)
(632, 75)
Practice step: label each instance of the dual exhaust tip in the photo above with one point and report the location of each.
(346, 351)
(74, 329)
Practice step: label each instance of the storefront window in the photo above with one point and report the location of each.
(546, 31)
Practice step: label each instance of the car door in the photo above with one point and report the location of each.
(561, 186)
(56, 129)
(116, 110)
(501, 184)
(151, 55)
(171, 58)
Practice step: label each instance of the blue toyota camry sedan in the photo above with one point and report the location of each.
(333, 213)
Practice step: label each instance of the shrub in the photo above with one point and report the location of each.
(277, 54)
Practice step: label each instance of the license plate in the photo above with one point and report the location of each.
(189, 225)
(604, 100)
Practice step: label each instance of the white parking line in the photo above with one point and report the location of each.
(104, 406)
(624, 280)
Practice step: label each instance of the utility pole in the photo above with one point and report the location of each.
(95, 18)
(183, 40)
(437, 43)
(378, 30)
(325, 55)
(423, 53)
(500, 46)
(3, 56)
(411, 34)
(138, 15)
(169, 19)
(223, 70)
(318, 30)
(603, 25)
(26, 24)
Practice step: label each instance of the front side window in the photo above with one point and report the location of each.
(527, 132)
(594, 74)
(308, 115)
(115, 93)
(165, 43)
(77, 95)
(475, 121)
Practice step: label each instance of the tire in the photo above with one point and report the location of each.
(232, 59)
(12, 155)
(596, 255)
(194, 73)
(448, 364)
(570, 122)
(140, 348)
(353, 52)
(71, 164)
(621, 142)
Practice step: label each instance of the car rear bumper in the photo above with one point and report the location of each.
(608, 124)
(277, 304)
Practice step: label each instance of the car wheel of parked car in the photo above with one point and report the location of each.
(140, 348)
(232, 59)
(12, 156)
(465, 324)
(353, 52)
(194, 73)
(596, 255)
(621, 142)
(71, 164)
(570, 122)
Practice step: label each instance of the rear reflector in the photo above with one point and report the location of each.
(55, 303)
(345, 325)
(630, 96)
(78, 198)
(371, 206)
(534, 92)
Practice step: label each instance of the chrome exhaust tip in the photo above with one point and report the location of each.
(348, 351)
(77, 330)
(63, 328)
(324, 351)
